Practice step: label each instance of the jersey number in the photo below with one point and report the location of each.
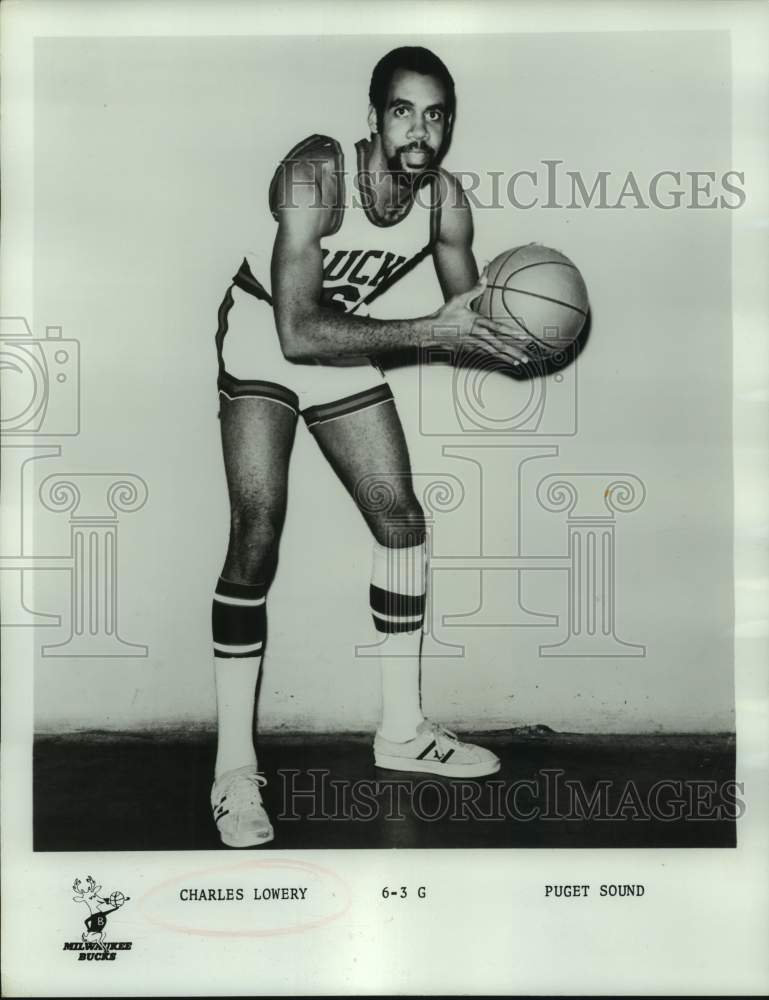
(340, 297)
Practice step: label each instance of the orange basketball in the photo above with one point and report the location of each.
(542, 290)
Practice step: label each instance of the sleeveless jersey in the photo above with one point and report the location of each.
(362, 257)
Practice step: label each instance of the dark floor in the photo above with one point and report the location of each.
(101, 791)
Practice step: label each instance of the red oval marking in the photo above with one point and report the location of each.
(247, 868)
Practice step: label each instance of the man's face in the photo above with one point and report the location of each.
(414, 122)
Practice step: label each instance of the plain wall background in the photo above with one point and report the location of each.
(152, 162)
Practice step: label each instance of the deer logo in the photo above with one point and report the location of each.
(98, 909)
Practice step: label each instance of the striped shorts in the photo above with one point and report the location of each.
(252, 365)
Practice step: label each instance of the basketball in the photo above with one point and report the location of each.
(542, 290)
(117, 899)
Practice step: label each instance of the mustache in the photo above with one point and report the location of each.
(420, 147)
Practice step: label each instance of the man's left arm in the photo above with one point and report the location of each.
(453, 251)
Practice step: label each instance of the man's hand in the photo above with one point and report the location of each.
(456, 324)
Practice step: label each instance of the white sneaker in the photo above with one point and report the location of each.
(436, 750)
(238, 810)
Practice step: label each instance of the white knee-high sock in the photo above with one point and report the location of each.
(397, 605)
(236, 681)
(239, 627)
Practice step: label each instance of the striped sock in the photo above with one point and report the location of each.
(239, 627)
(397, 604)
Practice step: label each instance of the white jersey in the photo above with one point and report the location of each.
(363, 261)
(362, 257)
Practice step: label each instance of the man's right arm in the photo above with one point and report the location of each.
(309, 330)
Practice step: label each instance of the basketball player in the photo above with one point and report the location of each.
(350, 224)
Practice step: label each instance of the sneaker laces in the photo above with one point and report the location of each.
(243, 791)
(444, 738)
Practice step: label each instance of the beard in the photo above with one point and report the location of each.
(396, 163)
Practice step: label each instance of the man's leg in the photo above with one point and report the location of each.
(364, 442)
(367, 449)
(257, 437)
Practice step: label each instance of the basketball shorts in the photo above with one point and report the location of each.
(252, 365)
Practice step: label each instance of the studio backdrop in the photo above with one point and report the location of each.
(580, 525)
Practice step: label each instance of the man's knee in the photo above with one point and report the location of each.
(253, 548)
(401, 526)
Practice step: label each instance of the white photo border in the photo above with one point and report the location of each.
(704, 927)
